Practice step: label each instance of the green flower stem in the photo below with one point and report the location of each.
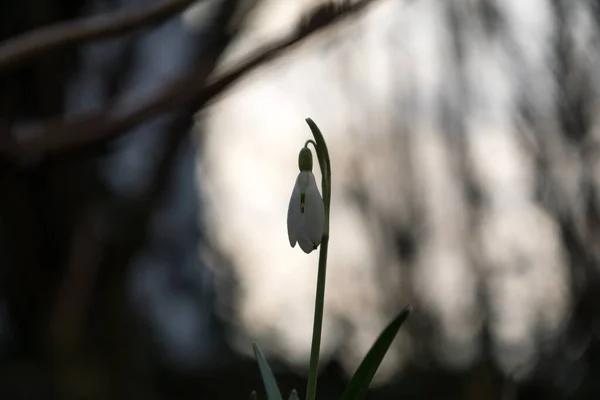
(311, 389)
(325, 166)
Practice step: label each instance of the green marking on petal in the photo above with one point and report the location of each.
(302, 202)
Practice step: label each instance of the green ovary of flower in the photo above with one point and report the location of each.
(305, 159)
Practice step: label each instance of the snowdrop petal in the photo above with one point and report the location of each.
(314, 212)
(306, 213)
(294, 217)
(306, 244)
(303, 180)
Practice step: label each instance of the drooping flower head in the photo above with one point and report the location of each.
(306, 212)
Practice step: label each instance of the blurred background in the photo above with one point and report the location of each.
(144, 189)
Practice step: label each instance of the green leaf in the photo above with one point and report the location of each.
(359, 384)
(269, 381)
(294, 395)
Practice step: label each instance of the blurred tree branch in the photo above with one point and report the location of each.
(16, 51)
(59, 135)
(109, 258)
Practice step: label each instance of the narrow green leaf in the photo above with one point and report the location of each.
(269, 381)
(359, 384)
(294, 395)
(253, 395)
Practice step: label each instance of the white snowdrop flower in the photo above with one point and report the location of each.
(306, 212)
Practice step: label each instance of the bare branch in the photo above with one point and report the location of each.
(15, 51)
(60, 135)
